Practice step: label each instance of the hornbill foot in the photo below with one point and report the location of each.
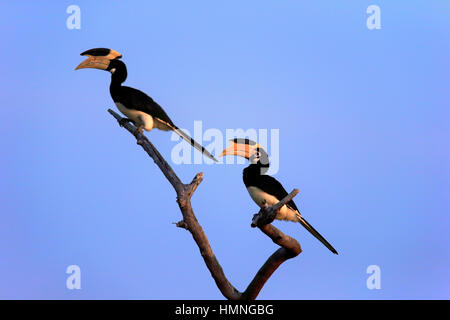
(123, 121)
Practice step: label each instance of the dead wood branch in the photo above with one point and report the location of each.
(290, 248)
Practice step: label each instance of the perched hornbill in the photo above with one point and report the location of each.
(265, 189)
(138, 107)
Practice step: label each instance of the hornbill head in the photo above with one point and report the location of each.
(100, 58)
(247, 149)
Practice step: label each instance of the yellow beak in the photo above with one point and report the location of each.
(236, 149)
(94, 62)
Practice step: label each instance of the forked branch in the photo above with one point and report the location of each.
(289, 247)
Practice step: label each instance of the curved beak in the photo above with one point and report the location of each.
(94, 62)
(236, 149)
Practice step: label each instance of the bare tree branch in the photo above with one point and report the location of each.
(290, 248)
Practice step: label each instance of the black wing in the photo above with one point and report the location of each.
(271, 186)
(138, 100)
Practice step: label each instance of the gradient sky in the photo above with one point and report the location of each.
(364, 134)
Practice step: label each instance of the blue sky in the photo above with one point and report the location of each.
(363, 119)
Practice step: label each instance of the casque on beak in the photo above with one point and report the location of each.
(237, 149)
(101, 63)
(98, 58)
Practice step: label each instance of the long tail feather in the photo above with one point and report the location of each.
(315, 233)
(194, 143)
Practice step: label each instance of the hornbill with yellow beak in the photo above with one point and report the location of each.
(138, 107)
(264, 189)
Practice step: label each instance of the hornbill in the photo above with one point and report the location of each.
(264, 189)
(138, 107)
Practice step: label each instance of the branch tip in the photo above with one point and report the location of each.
(181, 224)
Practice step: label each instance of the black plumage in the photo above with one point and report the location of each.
(139, 101)
(253, 178)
